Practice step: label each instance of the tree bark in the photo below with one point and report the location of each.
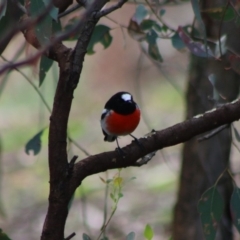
(211, 157)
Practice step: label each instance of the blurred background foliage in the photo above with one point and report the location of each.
(149, 192)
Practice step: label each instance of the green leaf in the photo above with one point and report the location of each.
(196, 48)
(152, 46)
(164, 28)
(5, 23)
(3, 6)
(236, 133)
(101, 35)
(43, 29)
(53, 11)
(56, 27)
(120, 195)
(109, 180)
(235, 207)
(112, 196)
(196, 10)
(213, 80)
(135, 31)
(140, 13)
(177, 42)
(210, 207)
(45, 65)
(154, 52)
(197, 13)
(221, 46)
(148, 232)
(9, 18)
(71, 24)
(152, 37)
(130, 236)
(3, 236)
(85, 237)
(157, 27)
(221, 13)
(162, 12)
(34, 144)
(147, 24)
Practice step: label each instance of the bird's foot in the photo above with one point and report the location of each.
(120, 152)
(137, 142)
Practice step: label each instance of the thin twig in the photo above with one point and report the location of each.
(43, 50)
(70, 236)
(106, 11)
(73, 160)
(105, 205)
(32, 84)
(78, 146)
(157, 16)
(213, 133)
(236, 146)
(74, 8)
(25, 24)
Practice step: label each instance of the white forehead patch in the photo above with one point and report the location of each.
(126, 97)
(104, 111)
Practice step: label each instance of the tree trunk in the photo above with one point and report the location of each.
(204, 161)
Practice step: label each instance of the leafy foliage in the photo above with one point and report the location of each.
(236, 133)
(71, 24)
(85, 237)
(148, 232)
(145, 27)
(140, 14)
(235, 207)
(34, 144)
(3, 236)
(177, 42)
(210, 208)
(9, 18)
(53, 11)
(43, 29)
(212, 79)
(101, 35)
(130, 236)
(45, 65)
(152, 46)
(222, 13)
(195, 48)
(3, 8)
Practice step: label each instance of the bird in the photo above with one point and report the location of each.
(120, 117)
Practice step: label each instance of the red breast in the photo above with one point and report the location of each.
(118, 124)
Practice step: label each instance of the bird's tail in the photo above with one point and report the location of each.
(109, 138)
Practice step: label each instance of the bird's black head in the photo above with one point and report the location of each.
(121, 102)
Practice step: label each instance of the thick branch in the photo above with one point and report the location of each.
(70, 70)
(176, 134)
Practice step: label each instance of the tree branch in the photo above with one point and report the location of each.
(65, 178)
(60, 176)
(106, 11)
(176, 134)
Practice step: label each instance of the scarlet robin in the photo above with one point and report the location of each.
(120, 117)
